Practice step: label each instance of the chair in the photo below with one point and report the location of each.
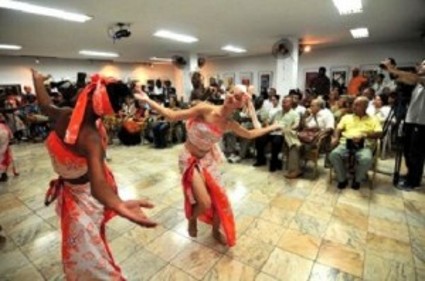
(373, 168)
(312, 153)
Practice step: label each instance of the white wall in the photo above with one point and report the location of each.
(16, 70)
(364, 55)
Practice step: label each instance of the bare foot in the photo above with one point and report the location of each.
(219, 237)
(193, 228)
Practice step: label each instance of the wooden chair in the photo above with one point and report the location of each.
(312, 153)
(375, 157)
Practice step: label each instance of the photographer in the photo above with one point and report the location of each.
(414, 127)
(355, 136)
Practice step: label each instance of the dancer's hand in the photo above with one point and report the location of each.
(141, 96)
(131, 210)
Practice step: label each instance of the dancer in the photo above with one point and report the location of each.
(86, 190)
(205, 198)
(6, 157)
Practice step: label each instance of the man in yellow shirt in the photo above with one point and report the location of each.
(355, 134)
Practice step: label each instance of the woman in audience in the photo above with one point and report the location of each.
(86, 190)
(205, 197)
(380, 108)
(342, 108)
(333, 99)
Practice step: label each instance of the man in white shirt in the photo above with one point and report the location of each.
(267, 105)
(414, 148)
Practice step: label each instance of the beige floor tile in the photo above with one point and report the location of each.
(172, 273)
(143, 236)
(346, 234)
(308, 224)
(286, 203)
(377, 267)
(277, 215)
(249, 208)
(196, 260)
(387, 213)
(388, 201)
(417, 236)
(389, 248)
(299, 243)
(265, 231)
(322, 272)
(169, 217)
(264, 277)
(250, 251)
(390, 229)
(11, 261)
(29, 229)
(351, 216)
(168, 245)
(313, 209)
(286, 266)
(122, 248)
(342, 257)
(242, 223)
(142, 265)
(27, 272)
(228, 269)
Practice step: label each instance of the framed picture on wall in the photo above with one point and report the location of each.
(369, 70)
(265, 81)
(339, 75)
(246, 78)
(310, 75)
(228, 79)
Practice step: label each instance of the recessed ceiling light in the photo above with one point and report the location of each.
(346, 7)
(44, 11)
(307, 48)
(233, 49)
(98, 54)
(175, 36)
(362, 32)
(161, 59)
(10, 47)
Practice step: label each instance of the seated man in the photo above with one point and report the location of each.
(355, 134)
(315, 123)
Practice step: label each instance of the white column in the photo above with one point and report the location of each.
(184, 85)
(287, 70)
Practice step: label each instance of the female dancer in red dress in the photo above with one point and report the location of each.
(85, 190)
(205, 197)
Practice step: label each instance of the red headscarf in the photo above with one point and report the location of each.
(101, 105)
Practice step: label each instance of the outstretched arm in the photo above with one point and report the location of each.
(250, 134)
(402, 76)
(89, 140)
(43, 98)
(172, 115)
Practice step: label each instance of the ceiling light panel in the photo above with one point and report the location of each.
(233, 49)
(98, 54)
(346, 7)
(362, 32)
(10, 47)
(175, 36)
(43, 11)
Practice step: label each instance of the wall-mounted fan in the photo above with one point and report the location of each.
(179, 61)
(282, 48)
(201, 62)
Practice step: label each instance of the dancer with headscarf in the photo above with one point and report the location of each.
(204, 194)
(86, 191)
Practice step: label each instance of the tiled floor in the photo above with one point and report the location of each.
(287, 230)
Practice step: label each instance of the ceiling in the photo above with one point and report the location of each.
(251, 24)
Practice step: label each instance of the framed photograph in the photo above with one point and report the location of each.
(369, 71)
(228, 79)
(339, 75)
(246, 78)
(265, 81)
(310, 75)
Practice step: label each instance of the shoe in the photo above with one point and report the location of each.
(279, 165)
(355, 185)
(406, 186)
(259, 163)
(292, 174)
(3, 177)
(342, 185)
(272, 168)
